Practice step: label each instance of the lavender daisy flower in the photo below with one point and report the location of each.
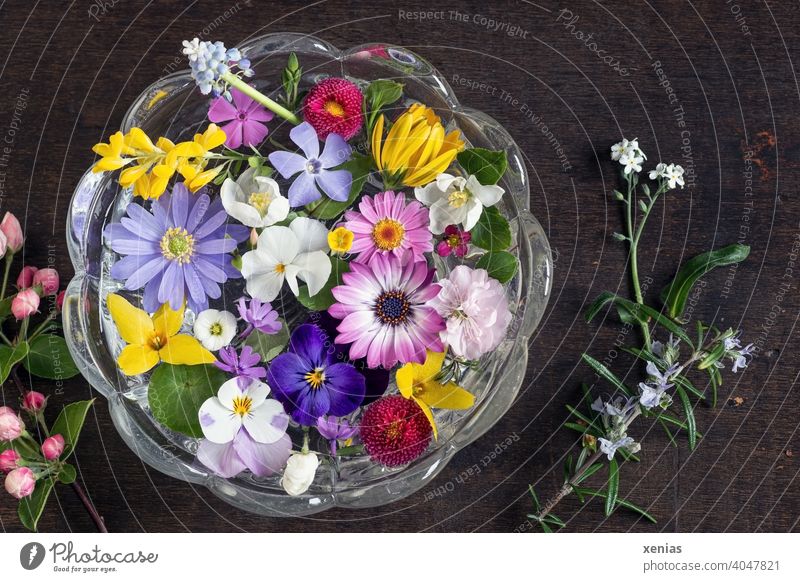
(242, 366)
(313, 170)
(309, 382)
(335, 429)
(179, 252)
(258, 316)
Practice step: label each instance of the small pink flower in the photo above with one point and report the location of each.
(454, 240)
(20, 482)
(25, 278)
(8, 460)
(52, 447)
(334, 106)
(25, 304)
(34, 401)
(11, 425)
(243, 119)
(48, 279)
(12, 231)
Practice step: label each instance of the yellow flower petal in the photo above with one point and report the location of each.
(166, 321)
(138, 139)
(377, 138)
(184, 349)
(422, 176)
(109, 164)
(405, 379)
(395, 141)
(432, 366)
(449, 396)
(202, 179)
(129, 175)
(429, 415)
(211, 138)
(136, 359)
(133, 324)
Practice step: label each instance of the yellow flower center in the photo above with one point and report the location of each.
(458, 198)
(393, 431)
(242, 405)
(334, 108)
(177, 245)
(157, 341)
(388, 234)
(260, 201)
(418, 389)
(453, 241)
(215, 329)
(280, 268)
(315, 378)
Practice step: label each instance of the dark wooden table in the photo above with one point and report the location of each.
(724, 104)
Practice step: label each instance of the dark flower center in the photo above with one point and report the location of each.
(392, 307)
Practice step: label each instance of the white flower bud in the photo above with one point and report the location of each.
(299, 473)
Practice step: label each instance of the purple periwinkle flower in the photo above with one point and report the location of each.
(335, 429)
(308, 380)
(314, 171)
(242, 365)
(258, 315)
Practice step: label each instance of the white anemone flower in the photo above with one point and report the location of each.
(456, 200)
(215, 329)
(253, 200)
(288, 253)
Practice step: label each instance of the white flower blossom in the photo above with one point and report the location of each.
(253, 200)
(299, 473)
(674, 175)
(610, 447)
(215, 329)
(631, 161)
(659, 172)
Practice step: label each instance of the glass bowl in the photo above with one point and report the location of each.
(174, 108)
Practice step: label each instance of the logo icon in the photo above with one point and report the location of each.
(31, 555)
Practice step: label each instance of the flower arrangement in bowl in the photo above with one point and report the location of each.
(306, 277)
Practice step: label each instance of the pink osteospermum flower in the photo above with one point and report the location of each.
(387, 225)
(334, 106)
(384, 311)
(242, 120)
(454, 240)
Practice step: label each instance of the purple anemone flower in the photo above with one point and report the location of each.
(334, 430)
(180, 251)
(243, 365)
(258, 315)
(242, 120)
(313, 170)
(310, 383)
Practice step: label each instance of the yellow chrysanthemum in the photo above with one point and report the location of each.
(340, 240)
(153, 339)
(416, 149)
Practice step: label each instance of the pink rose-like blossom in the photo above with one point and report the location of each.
(20, 482)
(475, 310)
(11, 425)
(25, 304)
(242, 120)
(48, 279)
(12, 230)
(25, 277)
(34, 401)
(52, 447)
(8, 460)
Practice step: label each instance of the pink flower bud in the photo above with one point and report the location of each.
(52, 447)
(11, 425)
(3, 245)
(13, 231)
(34, 401)
(25, 278)
(60, 299)
(8, 460)
(48, 279)
(25, 304)
(253, 237)
(20, 482)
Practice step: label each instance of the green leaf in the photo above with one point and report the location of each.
(177, 392)
(588, 473)
(31, 507)
(49, 358)
(67, 474)
(621, 502)
(324, 297)
(606, 374)
(691, 424)
(70, 422)
(664, 322)
(326, 209)
(9, 357)
(492, 232)
(684, 382)
(676, 294)
(268, 345)
(583, 417)
(604, 299)
(501, 265)
(383, 92)
(488, 166)
(613, 486)
(536, 503)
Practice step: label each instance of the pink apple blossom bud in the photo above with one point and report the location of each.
(3, 245)
(25, 278)
(60, 299)
(20, 482)
(34, 401)
(13, 232)
(8, 460)
(25, 304)
(52, 447)
(48, 279)
(253, 237)
(11, 425)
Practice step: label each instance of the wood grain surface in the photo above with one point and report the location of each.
(710, 84)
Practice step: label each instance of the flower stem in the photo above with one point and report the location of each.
(567, 487)
(634, 257)
(256, 95)
(9, 258)
(87, 503)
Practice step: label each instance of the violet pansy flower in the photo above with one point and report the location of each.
(242, 120)
(313, 170)
(244, 365)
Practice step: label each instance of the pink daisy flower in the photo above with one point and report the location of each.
(244, 118)
(334, 106)
(384, 311)
(386, 225)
